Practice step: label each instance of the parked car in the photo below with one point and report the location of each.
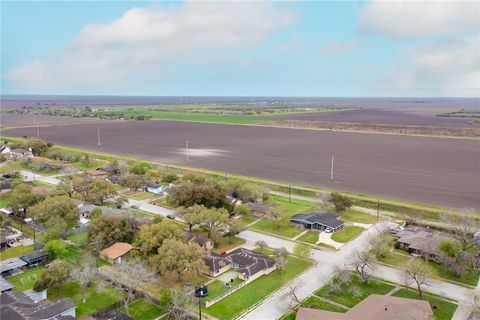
(328, 230)
(171, 216)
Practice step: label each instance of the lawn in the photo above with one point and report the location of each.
(80, 239)
(351, 293)
(442, 310)
(139, 195)
(217, 287)
(193, 116)
(240, 300)
(142, 310)
(309, 237)
(72, 254)
(356, 216)
(315, 303)
(26, 280)
(96, 299)
(4, 201)
(15, 252)
(289, 209)
(224, 243)
(347, 233)
(394, 259)
(249, 218)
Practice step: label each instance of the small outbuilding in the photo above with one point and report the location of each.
(116, 252)
(35, 258)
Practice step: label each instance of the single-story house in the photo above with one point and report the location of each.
(3, 242)
(85, 209)
(375, 307)
(6, 186)
(249, 264)
(17, 153)
(114, 179)
(202, 241)
(116, 252)
(319, 221)
(35, 258)
(423, 243)
(19, 306)
(5, 285)
(96, 174)
(260, 209)
(154, 187)
(12, 266)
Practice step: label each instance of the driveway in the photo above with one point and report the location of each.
(30, 176)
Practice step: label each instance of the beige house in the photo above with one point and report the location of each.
(96, 174)
(375, 307)
(116, 252)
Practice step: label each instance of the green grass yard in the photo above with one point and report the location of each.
(26, 280)
(442, 310)
(15, 252)
(80, 239)
(96, 299)
(138, 195)
(309, 237)
(289, 209)
(4, 201)
(347, 233)
(143, 310)
(239, 301)
(351, 293)
(217, 287)
(356, 216)
(315, 303)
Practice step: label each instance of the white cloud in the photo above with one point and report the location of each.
(143, 44)
(447, 68)
(412, 19)
(343, 47)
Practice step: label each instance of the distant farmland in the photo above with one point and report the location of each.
(430, 170)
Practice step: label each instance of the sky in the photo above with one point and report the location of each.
(194, 48)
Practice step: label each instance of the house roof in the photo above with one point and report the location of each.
(116, 250)
(424, 241)
(6, 184)
(18, 306)
(11, 264)
(199, 239)
(375, 307)
(39, 254)
(150, 184)
(19, 150)
(87, 208)
(323, 218)
(5, 285)
(96, 172)
(244, 261)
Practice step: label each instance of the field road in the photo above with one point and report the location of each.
(443, 172)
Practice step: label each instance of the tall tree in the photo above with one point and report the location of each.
(275, 214)
(59, 207)
(23, 198)
(261, 244)
(55, 248)
(417, 272)
(178, 304)
(362, 261)
(84, 273)
(108, 229)
(281, 255)
(176, 259)
(131, 181)
(235, 226)
(213, 219)
(54, 276)
(188, 194)
(151, 237)
(340, 201)
(94, 190)
(66, 187)
(191, 215)
(462, 227)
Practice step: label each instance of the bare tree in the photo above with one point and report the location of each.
(417, 272)
(362, 261)
(130, 275)
(463, 227)
(275, 214)
(292, 294)
(178, 304)
(84, 274)
(261, 244)
(281, 255)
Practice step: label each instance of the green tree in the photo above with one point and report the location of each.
(131, 181)
(276, 214)
(53, 277)
(176, 259)
(302, 250)
(94, 190)
(281, 255)
(139, 168)
(191, 215)
(235, 226)
(261, 244)
(38, 146)
(60, 207)
(340, 202)
(55, 248)
(417, 272)
(213, 219)
(189, 194)
(108, 229)
(66, 187)
(24, 198)
(151, 237)
(242, 210)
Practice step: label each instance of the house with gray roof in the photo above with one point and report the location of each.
(319, 221)
(423, 243)
(19, 306)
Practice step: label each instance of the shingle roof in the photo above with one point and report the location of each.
(260, 207)
(323, 218)
(244, 261)
(201, 240)
(5, 285)
(34, 255)
(424, 241)
(11, 264)
(116, 250)
(150, 184)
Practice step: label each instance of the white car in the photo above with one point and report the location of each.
(328, 230)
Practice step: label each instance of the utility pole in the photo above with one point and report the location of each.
(98, 138)
(289, 193)
(35, 125)
(378, 208)
(331, 170)
(188, 158)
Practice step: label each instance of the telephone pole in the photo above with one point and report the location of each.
(188, 157)
(331, 170)
(98, 138)
(35, 125)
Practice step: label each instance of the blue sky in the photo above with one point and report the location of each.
(241, 48)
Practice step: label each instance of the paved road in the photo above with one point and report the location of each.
(30, 176)
(278, 303)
